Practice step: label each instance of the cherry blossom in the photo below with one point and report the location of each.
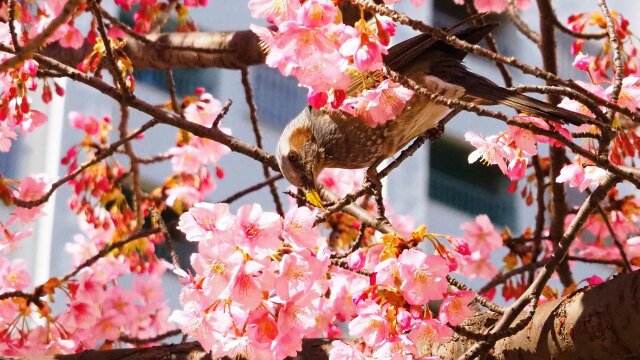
(455, 307)
(377, 106)
(423, 276)
(481, 235)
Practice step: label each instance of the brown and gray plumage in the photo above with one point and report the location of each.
(318, 139)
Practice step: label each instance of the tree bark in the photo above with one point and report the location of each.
(598, 322)
(221, 49)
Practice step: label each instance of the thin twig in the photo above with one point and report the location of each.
(99, 156)
(107, 249)
(595, 261)
(356, 245)
(521, 25)
(171, 85)
(253, 115)
(175, 259)
(12, 25)
(251, 189)
(491, 44)
(625, 260)
(618, 71)
(478, 298)
(541, 209)
(575, 34)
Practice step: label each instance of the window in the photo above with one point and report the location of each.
(278, 98)
(472, 188)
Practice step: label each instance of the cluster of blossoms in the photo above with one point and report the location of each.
(99, 310)
(512, 149)
(595, 241)
(598, 67)
(263, 282)
(333, 59)
(312, 44)
(191, 180)
(30, 188)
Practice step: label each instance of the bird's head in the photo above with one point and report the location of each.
(299, 155)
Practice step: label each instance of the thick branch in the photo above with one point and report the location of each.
(223, 49)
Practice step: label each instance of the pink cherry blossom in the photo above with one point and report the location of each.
(31, 188)
(317, 13)
(341, 181)
(629, 96)
(475, 265)
(342, 351)
(205, 220)
(298, 228)
(187, 194)
(581, 177)
(423, 277)
(204, 111)
(387, 272)
(395, 348)
(262, 326)
(72, 37)
(260, 230)
(582, 61)
(213, 151)
(481, 235)
(497, 6)
(366, 52)
(298, 272)
(286, 345)
(245, 285)
(6, 135)
(187, 159)
(86, 123)
(275, 11)
(14, 275)
(369, 325)
(426, 332)
(455, 307)
(377, 106)
(297, 314)
(491, 151)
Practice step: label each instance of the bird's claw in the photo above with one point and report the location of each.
(435, 132)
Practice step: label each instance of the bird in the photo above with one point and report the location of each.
(319, 138)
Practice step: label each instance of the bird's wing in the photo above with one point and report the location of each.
(480, 90)
(406, 52)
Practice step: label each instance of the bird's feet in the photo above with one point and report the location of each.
(435, 132)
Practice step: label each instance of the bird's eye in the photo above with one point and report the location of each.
(294, 158)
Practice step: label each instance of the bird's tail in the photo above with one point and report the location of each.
(488, 90)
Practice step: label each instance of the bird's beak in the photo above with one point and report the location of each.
(311, 193)
(314, 198)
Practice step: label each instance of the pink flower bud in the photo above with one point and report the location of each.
(594, 280)
(356, 260)
(317, 99)
(403, 319)
(460, 245)
(582, 62)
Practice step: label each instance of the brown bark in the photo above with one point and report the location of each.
(223, 49)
